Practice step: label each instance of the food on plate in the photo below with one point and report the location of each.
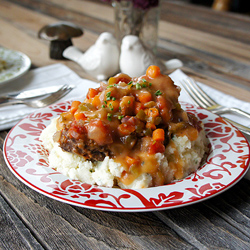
(128, 133)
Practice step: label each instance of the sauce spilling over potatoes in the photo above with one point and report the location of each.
(130, 120)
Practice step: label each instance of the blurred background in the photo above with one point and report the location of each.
(239, 6)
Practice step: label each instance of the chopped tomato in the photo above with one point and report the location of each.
(77, 130)
(165, 108)
(138, 107)
(119, 78)
(99, 132)
(150, 126)
(156, 147)
(127, 105)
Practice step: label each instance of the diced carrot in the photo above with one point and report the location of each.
(150, 126)
(96, 101)
(125, 129)
(158, 134)
(153, 71)
(79, 116)
(92, 93)
(74, 106)
(131, 160)
(113, 105)
(153, 112)
(145, 97)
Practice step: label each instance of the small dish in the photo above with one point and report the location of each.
(16, 64)
(225, 164)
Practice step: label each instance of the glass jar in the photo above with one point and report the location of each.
(136, 21)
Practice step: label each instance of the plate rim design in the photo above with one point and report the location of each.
(135, 192)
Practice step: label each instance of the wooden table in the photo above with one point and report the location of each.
(215, 48)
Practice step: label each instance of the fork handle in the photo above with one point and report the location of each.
(241, 127)
(11, 103)
(231, 110)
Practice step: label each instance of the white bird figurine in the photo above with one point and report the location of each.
(101, 60)
(135, 58)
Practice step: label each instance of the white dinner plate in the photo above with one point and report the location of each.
(17, 64)
(225, 164)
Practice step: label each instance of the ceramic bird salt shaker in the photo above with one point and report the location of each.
(135, 58)
(101, 60)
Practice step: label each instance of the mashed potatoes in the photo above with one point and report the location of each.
(108, 172)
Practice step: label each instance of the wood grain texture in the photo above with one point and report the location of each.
(215, 49)
(208, 53)
(15, 232)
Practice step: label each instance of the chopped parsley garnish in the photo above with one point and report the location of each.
(108, 95)
(129, 102)
(137, 85)
(109, 116)
(113, 98)
(144, 80)
(103, 106)
(120, 117)
(110, 86)
(130, 82)
(150, 84)
(144, 85)
(111, 106)
(158, 92)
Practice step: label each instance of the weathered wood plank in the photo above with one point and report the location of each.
(195, 48)
(16, 235)
(225, 24)
(38, 221)
(192, 221)
(62, 13)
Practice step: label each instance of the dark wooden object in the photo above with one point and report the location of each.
(214, 48)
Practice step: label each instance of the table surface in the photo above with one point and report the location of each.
(215, 49)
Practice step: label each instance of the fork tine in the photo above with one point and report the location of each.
(193, 94)
(42, 102)
(65, 89)
(203, 95)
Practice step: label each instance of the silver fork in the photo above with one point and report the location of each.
(207, 102)
(203, 100)
(42, 102)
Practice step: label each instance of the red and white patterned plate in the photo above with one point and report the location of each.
(225, 164)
